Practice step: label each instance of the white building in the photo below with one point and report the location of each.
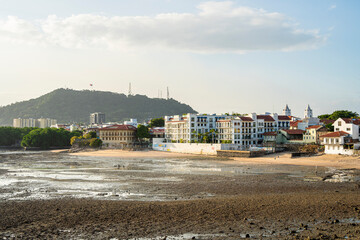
(185, 128)
(308, 112)
(133, 122)
(31, 122)
(238, 130)
(348, 125)
(245, 131)
(339, 142)
(287, 111)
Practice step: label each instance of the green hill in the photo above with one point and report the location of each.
(67, 105)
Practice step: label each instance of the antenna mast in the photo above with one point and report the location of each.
(168, 94)
(130, 93)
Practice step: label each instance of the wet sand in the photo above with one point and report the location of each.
(203, 199)
(132, 154)
(336, 161)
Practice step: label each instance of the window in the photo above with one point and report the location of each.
(339, 123)
(348, 129)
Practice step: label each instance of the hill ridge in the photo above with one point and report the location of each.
(68, 105)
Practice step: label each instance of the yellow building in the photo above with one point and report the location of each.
(118, 136)
(313, 134)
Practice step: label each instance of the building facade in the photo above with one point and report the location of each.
(97, 118)
(186, 128)
(351, 126)
(31, 122)
(314, 133)
(118, 136)
(340, 143)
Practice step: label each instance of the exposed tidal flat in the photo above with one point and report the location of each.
(153, 195)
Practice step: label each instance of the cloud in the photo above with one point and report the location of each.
(332, 7)
(217, 27)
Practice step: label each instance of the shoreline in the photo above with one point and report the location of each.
(335, 161)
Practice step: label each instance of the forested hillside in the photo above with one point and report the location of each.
(67, 105)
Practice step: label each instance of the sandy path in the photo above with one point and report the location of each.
(336, 161)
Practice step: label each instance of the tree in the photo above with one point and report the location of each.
(47, 137)
(157, 122)
(330, 127)
(142, 132)
(324, 116)
(343, 114)
(95, 143)
(339, 114)
(90, 135)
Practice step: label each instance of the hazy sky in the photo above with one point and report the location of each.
(217, 56)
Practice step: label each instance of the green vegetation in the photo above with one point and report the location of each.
(329, 127)
(68, 105)
(48, 137)
(88, 140)
(11, 136)
(142, 132)
(339, 114)
(157, 122)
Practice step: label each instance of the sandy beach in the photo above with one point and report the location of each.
(336, 161)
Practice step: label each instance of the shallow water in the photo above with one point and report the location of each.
(41, 175)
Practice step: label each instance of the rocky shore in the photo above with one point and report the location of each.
(274, 216)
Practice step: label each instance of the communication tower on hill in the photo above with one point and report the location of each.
(130, 93)
(168, 94)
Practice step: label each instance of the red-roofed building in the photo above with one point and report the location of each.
(238, 130)
(157, 132)
(118, 136)
(313, 134)
(351, 126)
(290, 136)
(340, 143)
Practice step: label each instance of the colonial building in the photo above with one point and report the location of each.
(348, 125)
(157, 132)
(290, 136)
(308, 112)
(340, 143)
(185, 128)
(238, 130)
(287, 111)
(313, 134)
(118, 136)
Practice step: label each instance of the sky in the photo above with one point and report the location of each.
(217, 56)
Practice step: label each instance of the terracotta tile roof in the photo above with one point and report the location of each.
(294, 131)
(284, 118)
(270, 134)
(335, 134)
(246, 119)
(327, 121)
(157, 131)
(119, 127)
(350, 120)
(314, 127)
(295, 123)
(267, 118)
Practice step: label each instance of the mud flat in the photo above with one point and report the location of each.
(62, 196)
